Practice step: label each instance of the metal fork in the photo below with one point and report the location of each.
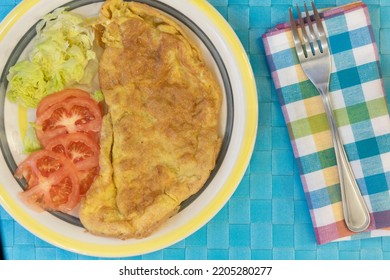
(313, 54)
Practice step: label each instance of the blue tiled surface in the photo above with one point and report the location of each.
(267, 217)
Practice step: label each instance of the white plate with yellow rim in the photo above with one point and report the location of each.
(224, 54)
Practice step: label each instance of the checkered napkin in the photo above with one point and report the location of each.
(361, 113)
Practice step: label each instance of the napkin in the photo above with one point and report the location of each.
(358, 97)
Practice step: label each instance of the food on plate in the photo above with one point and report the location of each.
(52, 183)
(63, 95)
(57, 176)
(159, 139)
(82, 151)
(62, 56)
(30, 140)
(61, 113)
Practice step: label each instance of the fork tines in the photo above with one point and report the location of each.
(313, 40)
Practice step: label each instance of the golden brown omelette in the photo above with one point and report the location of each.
(160, 138)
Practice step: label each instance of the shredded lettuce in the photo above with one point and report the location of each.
(62, 50)
(98, 96)
(30, 140)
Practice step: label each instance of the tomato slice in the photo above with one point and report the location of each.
(76, 114)
(83, 152)
(52, 183)
(86, 178)
(68, 126)
(58, 97)
(78, 147)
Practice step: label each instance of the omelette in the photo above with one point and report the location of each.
(159, 138)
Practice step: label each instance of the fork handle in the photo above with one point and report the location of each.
(356, 215)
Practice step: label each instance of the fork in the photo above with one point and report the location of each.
(313, 53)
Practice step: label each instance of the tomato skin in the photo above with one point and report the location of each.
(76, 114)
(60, 96)
(52, 183)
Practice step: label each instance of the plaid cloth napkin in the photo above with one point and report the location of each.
(361, 114)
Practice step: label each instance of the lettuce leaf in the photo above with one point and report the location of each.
(98, 96)
(62, 49)
(30, 140)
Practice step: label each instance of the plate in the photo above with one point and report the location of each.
(224, 54)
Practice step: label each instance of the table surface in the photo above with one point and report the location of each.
(267, 217)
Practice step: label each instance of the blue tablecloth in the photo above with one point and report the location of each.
(267, 217)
